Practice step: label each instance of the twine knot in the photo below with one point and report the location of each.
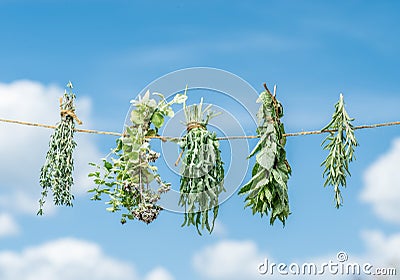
(70, 113)
(192, 125)
(189, 127)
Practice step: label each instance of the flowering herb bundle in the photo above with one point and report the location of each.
(340, 143)
(202, 174)
(267, 190)
(127, 176)
(56, 173)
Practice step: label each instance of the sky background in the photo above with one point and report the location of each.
(111, 50)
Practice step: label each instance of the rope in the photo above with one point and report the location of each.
(172, 138)
(179, 158)
(53, 127)
(355, 128)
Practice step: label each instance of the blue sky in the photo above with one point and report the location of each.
(111, 50)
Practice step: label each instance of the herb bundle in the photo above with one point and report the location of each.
(267, 189)
(202, 174)
(56, 173)
(128, 175)
(340, 143)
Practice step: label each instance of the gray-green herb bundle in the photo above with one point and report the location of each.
(340, 143)
(267, 189)
(127, 176)
(202, 175)
(56, 173)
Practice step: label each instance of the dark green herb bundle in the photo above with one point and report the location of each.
(56, 173)
(128, 175)
(202, 174)
(267, 190)
(340, 143)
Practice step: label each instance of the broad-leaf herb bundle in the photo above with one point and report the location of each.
(340, 143)
(267, 190)
(128, 175)
(56, 173)
(202, 174)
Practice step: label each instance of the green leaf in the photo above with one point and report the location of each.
(179, 98)
(259, 145)
(56, 173)
(169, 112)
(267, 189)
(265, 159)
(130, 171)
(137, 117)
(340, 143)
(246, 187)
(202, 171)
(146, 96)
(157, 119)
(107, 165)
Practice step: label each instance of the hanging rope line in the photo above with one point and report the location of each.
(70, 113)
(301, 133)
(53, 127)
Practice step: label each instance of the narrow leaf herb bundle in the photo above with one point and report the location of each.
(128, 175)
(267, 189)
(202, 175)
(340, 143)
(56, 173)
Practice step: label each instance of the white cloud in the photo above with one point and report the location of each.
(383, 249)
(63, 259)
(159, 273)
(229, 259)
(8, 226)
(70, 259)
(22, 202)
(382, 184)
(23, 149)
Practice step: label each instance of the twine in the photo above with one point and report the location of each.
(70, 113)
(192, 125)
(189, 127)
(174, 138)
(179, 158)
